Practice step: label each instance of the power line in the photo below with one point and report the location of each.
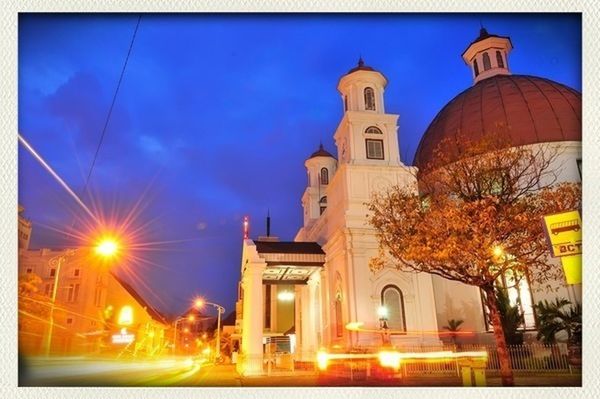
(112, 104)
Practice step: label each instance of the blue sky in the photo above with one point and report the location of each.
(217, 113)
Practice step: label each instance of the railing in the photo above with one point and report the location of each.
(524, 359)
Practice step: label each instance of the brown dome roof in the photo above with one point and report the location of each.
(526, 109)
(321, 152)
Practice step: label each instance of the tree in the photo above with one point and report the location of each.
(477, 215)
(510, 316)
(453, 327)
(554, 318)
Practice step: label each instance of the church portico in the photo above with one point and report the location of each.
(280, 302)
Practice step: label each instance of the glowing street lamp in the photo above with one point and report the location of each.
(382, 312)
(107, 248)
(220, 310)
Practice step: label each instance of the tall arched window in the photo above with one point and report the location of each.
(486, 62)
(476, 68)
(345, 103)
(322, 205)
(499, 59)
(369, 99)
(393, 300)
(324, 176)
(373, 130)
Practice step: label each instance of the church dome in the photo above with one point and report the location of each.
(321, 152)
(524, 109)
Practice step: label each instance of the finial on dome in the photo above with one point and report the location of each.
(361, 63)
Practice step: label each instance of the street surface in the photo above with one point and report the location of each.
(183, 372)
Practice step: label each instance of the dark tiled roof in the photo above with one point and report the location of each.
(524, 109)
(321, 152)
(288, 247)
(155, 314)
(483, 34)
(361, 67)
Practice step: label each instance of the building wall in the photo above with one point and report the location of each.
(83, 294)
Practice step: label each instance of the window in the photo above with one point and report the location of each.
(268, 306)
(476, 68)
(73, 293)
(322, 205)
(324, 176)
(98, 297)
(70, 321)
(52, 272)
(499, 59)
(369, 99)
(345, 103)
(339, 325)
(393, 300)
(29, 270)
(374, 149)
(76, 273)
(486, 62)
(373, 130)
(519, 294)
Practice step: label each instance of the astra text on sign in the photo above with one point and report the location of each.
(564, 233)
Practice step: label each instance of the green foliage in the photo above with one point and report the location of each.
(453, 325)
(511, 317)
(554, 317)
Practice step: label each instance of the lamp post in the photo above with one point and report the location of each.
(56, 261)
(220, 309)
(188, 318)
(382, 312)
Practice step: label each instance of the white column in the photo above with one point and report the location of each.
(426, 305)
(253, 320)
(309, 333)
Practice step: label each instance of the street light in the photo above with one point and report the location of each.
(57, 262)
(107, 247)
(189, 318)
(382, 312)
(199, 302)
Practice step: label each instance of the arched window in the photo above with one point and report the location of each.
(476, 68)
(499, 59)
(369, 99)
(393, 300)
(324, 176)
(345, 103)
(486, 62)
(322, 205)
(373, 130)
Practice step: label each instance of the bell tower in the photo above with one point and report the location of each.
(488, 55)
(320, 168)
(366, 134)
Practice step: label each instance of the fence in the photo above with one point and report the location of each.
(527, 358)
(524, 359)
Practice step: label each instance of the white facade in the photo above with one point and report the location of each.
(340, 287)
(352, 292)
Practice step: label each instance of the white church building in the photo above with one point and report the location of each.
(305, 292)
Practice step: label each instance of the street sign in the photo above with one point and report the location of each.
(564, 233)
(123, 337)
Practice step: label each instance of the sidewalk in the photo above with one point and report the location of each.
(226, 375)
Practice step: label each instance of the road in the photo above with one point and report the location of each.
(79, 371)
(183, 372)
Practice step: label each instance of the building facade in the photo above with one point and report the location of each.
(323, 278)
(95, 311)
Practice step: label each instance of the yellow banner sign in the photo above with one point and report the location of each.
(564, 233)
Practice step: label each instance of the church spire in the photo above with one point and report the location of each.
(488, 55)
